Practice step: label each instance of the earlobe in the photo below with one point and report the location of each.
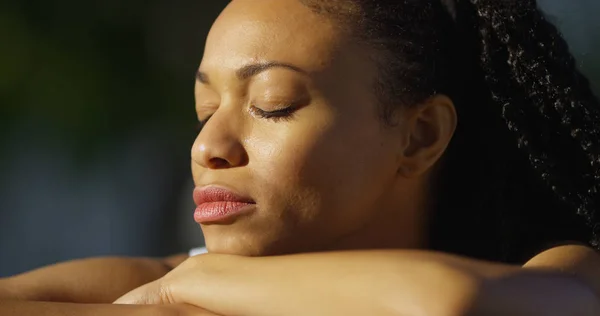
(430, 127)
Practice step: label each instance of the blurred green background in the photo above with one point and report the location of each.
(97, 117)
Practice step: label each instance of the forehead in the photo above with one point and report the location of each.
(280, 30)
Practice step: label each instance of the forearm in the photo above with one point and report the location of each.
(354, 283)
(385, 283)
(99, 280)
(20, 308)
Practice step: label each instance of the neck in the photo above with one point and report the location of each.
(400, 224)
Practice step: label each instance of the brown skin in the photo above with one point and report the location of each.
(384, 282)
(330, 177)
(80, 281)
(95, 282)
(65, 309)
(579, 261)
(573, 260)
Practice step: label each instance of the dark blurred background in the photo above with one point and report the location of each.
(97, 118)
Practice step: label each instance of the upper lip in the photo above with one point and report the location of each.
(213, 193)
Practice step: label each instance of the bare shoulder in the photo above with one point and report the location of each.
(575, 259)
(571, 255)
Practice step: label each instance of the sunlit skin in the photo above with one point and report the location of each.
(294, 124)
(330, 175)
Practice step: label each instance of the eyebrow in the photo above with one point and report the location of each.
(251, 70)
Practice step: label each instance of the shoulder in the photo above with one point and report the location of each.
(578, 260)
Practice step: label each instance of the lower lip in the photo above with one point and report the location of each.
(221, 211)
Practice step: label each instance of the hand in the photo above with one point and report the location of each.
(191, 276)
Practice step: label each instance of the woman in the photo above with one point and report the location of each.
(388, 145)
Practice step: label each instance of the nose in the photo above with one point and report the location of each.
(219, 146)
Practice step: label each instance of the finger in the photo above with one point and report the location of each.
(133, 297)
(145, 294)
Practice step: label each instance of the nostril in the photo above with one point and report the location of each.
(218, 163)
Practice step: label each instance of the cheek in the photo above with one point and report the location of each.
(322, 169)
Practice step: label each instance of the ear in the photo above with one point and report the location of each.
(429, 129)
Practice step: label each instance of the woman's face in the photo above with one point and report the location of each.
(295, 127)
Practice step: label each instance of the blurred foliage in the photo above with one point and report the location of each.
(590, 62)
(86, 69)
(581, 28)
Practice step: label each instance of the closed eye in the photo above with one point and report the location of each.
(285, 113)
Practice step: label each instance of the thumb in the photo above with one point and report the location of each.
(150, 294)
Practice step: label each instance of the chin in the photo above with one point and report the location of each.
(237, 244)
(231, 250)
(250, 246)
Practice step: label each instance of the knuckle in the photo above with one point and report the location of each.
(165, 294)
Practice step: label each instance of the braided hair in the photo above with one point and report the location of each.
(522, 172)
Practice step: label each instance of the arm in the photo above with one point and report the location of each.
(381, 283)
(99, 280)
(90, 280)
(19, 308)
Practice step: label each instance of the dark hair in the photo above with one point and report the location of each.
(522, 172)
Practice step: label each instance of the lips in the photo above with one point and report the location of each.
(217, 194)
(217, 205)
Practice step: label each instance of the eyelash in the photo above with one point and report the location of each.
(285, 114)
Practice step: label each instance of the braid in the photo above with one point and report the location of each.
(545, 101)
